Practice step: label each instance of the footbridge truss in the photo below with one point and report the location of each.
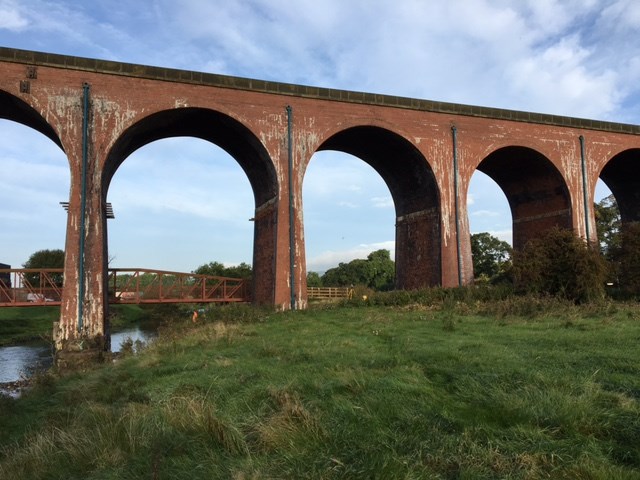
(33, 287)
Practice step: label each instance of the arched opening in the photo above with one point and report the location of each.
(240, 144)
(617, 215)
(34, 179)
(537, 194)
(414, 192)
(348, 211)
(621, 176)
(180, 203)
(490, 226)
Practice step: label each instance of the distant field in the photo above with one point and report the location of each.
(414, 391)
(27, 324)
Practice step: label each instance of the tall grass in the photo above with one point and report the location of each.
(439, 389)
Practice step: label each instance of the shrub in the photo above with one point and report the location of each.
(626, 259)
(558, 263)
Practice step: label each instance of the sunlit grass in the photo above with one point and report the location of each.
(445, 390)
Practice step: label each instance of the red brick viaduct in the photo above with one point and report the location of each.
(99, 112)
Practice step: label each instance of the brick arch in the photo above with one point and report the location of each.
(227, 133)
(537, 193)
(621, 175)
(415, 194)
(239, 142)
(15, 109)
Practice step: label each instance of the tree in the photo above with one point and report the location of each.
(242, 270)
(44, 259)
(217, 269)
(625, 259)
(313, 279)
(490, 254)
(559, 263)
(377, 272)
(608, 225)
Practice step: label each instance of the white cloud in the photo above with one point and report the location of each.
(470, 199)
(623, 15)
(563, 82)
(382, 202)
(10, 17)
(485, 213)
(505, 235)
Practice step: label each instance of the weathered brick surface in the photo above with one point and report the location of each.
(536, 159)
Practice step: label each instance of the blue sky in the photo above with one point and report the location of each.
(180, 203)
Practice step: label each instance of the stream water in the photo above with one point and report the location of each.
(18, 362)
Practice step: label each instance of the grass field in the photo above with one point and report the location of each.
(28, 324)
(451, 390)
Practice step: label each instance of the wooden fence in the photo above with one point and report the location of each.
(329, 293)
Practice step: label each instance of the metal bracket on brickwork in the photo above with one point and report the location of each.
(583, 160)
(32, 72)
(83, 199)
(454, 135)
(292, 236)
(25, 86)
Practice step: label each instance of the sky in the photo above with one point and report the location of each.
(181, 203)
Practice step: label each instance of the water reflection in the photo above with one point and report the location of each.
(21, 361)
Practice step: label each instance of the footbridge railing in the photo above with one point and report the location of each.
(157, 286)
(32, 287)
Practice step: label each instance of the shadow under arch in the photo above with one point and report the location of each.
(622, 177)
(415, 194)
(239, 142)
(536, 191)
(15, 109)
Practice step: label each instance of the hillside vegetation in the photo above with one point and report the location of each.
(440, 385)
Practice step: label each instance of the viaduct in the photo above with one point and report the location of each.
(99, 112)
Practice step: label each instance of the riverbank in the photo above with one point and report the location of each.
(451, 390)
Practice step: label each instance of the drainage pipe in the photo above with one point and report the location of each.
(292, 236)
(83, 200)
(584, 188)
(454, 134)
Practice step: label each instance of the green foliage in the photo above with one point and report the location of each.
(217, 269)
(46, 259)
(626, 259)
(314, 279)
(43, 259)
(490, 255)
(376, 272)
(608, 225)
(558, 263)
(620, 244)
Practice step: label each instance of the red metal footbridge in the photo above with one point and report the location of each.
(32, 287)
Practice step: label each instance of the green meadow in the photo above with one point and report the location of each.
(404, 389)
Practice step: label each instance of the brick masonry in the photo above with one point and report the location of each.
(538, 160)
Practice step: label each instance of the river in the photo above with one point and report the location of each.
(18, 362)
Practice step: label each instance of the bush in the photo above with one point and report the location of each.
(626, 259)
(560, 264)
